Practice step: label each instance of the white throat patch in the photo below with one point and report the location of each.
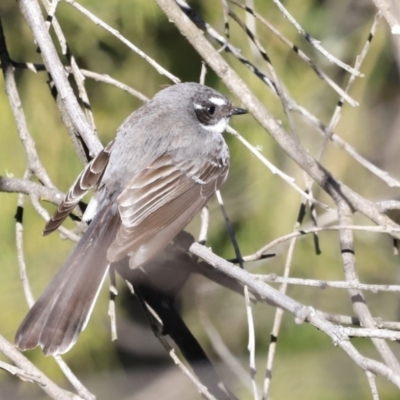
(219, 127)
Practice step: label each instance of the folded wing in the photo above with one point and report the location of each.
(159, 202)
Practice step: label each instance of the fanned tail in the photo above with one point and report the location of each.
(62, 312)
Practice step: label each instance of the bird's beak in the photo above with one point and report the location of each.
(238, 111)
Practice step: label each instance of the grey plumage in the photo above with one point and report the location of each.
(168, 159)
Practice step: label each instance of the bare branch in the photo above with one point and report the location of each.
(329, 284)
(301, 54)
(277, 324)
(115, 33)
(30, 371)
(384, 7)
(336, 189)
(302, 313)
(12, 93)
(359, 303)
(33, 15)
(314, 42)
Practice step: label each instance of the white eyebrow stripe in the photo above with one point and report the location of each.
(218, 101)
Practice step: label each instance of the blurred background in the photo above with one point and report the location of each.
(261, 206)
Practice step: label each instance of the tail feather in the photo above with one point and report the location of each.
(61, 313)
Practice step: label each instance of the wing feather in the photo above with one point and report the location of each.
(158, 203)
(87, 179)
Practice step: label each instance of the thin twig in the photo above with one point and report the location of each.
(249, 313)
(104, 78)
(322, 284)
(314, 42)
(302, 313)
(226, 46)
(384, 7)
(371, 333)
(350, 320)
(373, 229)
(251, 346)
(221, 349)
(75, 382)
(114, 32)
(277, 324)
(278, 85)
(372, 385)
(155, 326)
(16, 106)
(359, 303)
(359, 60)
(19, 239)
(66, 51)
(30, 371)
(320, 73)
(276, 171)
(33, 16)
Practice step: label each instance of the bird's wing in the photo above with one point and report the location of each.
(159, 202)
(86, 180)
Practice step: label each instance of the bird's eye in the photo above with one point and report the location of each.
(211, 110)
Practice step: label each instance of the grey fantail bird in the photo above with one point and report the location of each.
(168, 159)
